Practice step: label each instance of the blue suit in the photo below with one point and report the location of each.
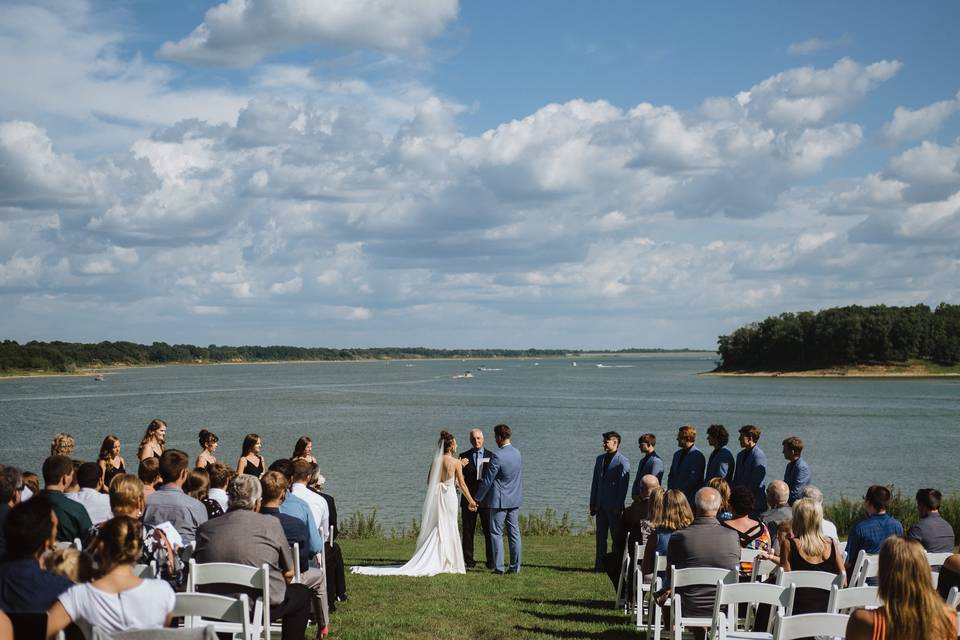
(651, 465)
(686, 472)
(720, 464)
(797, 475)
(503, 481)
(751, 472)
(607, 494)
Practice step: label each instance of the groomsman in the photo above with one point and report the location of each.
(797, 474)
(611, 478)
(475, 461)
(651, 463)
(686, 469)
(720, 464)
(751, 471)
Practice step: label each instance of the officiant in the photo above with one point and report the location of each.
(475, 461)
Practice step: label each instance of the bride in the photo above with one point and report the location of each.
(438, 545)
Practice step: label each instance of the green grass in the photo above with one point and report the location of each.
(555, 595)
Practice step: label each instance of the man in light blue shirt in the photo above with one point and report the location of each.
(298, 508)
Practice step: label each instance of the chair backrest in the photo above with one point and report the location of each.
(869, 569)
(700, 576)
(749, 555)
(762, 569)
(953, 597)
(751, 593)
(296, 562)
(858, 568)
(843, 600)
(147, 571)
(226, 573)
(811, 624)
(196, 633)
(937, 559)
(193, 606)
(810, 579)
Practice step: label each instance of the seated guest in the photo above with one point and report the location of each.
(751, 534)
(243, 536)
(90, 479)
(724, 490)
(30, 530)
(31, 485)
(126, 499)
(220, 475)
(809, 550)
(169, 503)
(117, 600)
(674, 514)
(869, 533)
(69, 562)
(634, 528)
(797, 474)
(197, 486)
(911, 609)
(302, 475)
(933, 532)
(11, 484)
(73, 519)
(778, 493)
(336, 579)
(814, 493)
(274, 488)
(705, 543)
(149, 474)
(296, 507)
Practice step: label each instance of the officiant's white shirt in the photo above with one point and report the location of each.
(318, 506)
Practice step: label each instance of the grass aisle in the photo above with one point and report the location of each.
(555, 596)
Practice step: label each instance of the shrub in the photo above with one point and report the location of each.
(548, 524)
(846, 512)
(360, 527)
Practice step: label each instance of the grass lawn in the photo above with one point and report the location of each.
(556, 595)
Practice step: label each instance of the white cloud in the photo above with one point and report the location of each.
(33, 175)
(293, 285)
(239, 33)
(811, 46)
(913, 124)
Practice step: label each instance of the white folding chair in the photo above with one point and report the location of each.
(845, 600)
(810, 579)
(843, 549)
(724, 625)
(762, 569)
(749, 555)
(230, 615)
(870, 568)
(953, 597)
(858, 567)
(634, 600)
(811, 624)
(937, 559)
(295, 550)
(78, 544)
(256, 578)
(694, 576)
(649, 590)
(621, 599)
(147, 571)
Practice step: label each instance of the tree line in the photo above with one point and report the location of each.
(844, 336)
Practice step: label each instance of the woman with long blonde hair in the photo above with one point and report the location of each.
(674, 514)
(809, 550)
(912, 609)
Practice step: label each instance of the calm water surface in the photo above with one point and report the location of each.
(374, 425)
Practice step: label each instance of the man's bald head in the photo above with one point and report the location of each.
(708, 502)
(778, 493)
(647, 484)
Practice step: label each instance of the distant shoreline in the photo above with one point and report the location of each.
(911, 370)
(113, 368)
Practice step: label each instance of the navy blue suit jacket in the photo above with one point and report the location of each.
(687, 475)
(610, 489)
(652, 467)
(720, 464)
(797, 475)
(751, 472)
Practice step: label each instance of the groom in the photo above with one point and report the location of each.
(503, 481)
(475, 461)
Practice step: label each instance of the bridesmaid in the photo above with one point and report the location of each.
(154, 440)
(110, 461)
(303, 450)
(209, 441)
(251, 462)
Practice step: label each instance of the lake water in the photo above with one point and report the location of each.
(375, 424)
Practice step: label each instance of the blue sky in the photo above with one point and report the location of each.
(547, 174)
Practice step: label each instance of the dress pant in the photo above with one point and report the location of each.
(469, 528)
(336, 580)
(316, 580)
(293, 612)
(508, 519)
(608, 521)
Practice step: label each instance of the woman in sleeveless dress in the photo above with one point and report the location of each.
(809, 550)
(209, 441)
(154, 440)
(912, 608)
(438, 546)
(251, 462)
(110, 460)
(753, 534)
(303, 450)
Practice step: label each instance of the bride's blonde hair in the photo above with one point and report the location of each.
(445, 441)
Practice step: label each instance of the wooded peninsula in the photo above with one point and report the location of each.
(846, 337)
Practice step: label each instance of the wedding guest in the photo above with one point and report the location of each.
(674, 514)
(243, 536)
(721, 463)
(154, 440)
(149, 474)
(687, 467)
(118, 600)
(911, 609)
(814, 493)
(273, 486)
(251, 462)
(611, 479)
(197, 486)
(72, 517)
(296, 507)
(90, 495)
(208, 443)
(797, 474)
(169, 503)
(220, 476)
(69, 562)
(303, 450)
(634, 528)
(650, 464)
(31, 485)
(110, 460)
(11, 487)
(30, 531)
(933, 532)
(724, 490)
(62, 444)
(705, 543)
(474, 461)
(869, 533)
(336, 578)
(302, 473)
(808, 549)
(779, 511)
(751, 467)
(751, 533)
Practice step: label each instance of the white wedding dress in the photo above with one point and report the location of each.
(438, 545)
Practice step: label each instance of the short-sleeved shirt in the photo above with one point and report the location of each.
(74, 521)
(145, 606)
(934, 533)
(26, 588)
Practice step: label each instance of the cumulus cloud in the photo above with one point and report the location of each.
(811, 46)
(239, 33)
(913, 124)
(33, 175)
